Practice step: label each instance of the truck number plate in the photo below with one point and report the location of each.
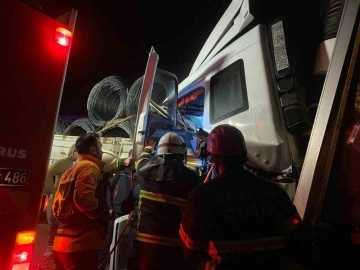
(14, 177)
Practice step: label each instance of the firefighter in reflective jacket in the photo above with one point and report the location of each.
(165, 183)
(80, 206)
(235, 221)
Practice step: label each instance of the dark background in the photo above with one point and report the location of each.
(114, 37)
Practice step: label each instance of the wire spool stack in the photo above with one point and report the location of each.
(78, 127)
(60, 127)
(107, 101)
(123, 128)
(132, 102)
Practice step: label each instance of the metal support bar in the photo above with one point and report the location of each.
(325, 106)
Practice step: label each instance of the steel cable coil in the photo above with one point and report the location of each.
(61, 126)
(107, 101)
(158, 95)
(78, 127)
(124, 129)
(331, 15)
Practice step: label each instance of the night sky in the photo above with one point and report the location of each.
(114, 37)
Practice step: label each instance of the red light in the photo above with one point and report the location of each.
(23, 250)
(22, 254)
(62, 36)
(23, 266)
(23, 238)
(295, 221)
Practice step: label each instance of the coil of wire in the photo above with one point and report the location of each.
(158, 95)
(107, 101)
(124, 129)
(332, 12)
(78, 127)
(61, 126)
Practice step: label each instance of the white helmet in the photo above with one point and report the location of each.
(171, 143)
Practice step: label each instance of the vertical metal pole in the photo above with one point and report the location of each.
(325, 106)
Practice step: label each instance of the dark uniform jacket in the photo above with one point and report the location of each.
(119, 189)
(164, 187)
(236, 221)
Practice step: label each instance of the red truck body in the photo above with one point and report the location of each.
(34, 53)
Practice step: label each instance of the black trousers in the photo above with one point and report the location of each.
(76, 260)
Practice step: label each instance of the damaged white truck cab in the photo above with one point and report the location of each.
(251, 77)
(274, 81)
(237, 88)
(259, 70)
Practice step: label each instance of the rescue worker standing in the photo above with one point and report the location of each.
(235, 221)
(118, 189)
(165, 183)
(80, 209)
(53, 176)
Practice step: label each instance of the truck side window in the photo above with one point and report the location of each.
(228, 94)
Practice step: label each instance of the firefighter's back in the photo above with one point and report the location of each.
(161, 201)
(164, 187)
(244, 218)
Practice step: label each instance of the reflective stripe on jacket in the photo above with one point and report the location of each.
(162, 198)
(77, 205)
(233, 220)
(164, 188)
(216, 248)
(242, 246)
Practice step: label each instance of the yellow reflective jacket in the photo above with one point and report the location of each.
(76, 204)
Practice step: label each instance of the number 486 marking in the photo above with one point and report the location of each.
(16, 177)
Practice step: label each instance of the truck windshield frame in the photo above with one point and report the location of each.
(228, 87)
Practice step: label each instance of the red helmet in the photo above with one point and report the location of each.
(226, 140)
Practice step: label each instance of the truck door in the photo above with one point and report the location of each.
(154, 125)
(34, 53)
